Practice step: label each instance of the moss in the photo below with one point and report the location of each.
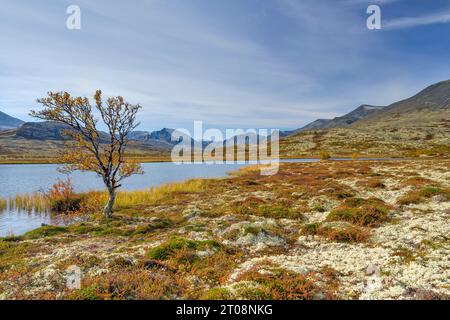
(175, 244)
(12, 254)
(342, 214)
(218, 294)
(12, 239)
(84, 228)
(158, 253)
(88, 293)
(252, 230)
(430, 192)
(46, 231)
(318, 208)
(276, 211)
(158, 224)
(406, 255)
(215, 268)
(107, 228)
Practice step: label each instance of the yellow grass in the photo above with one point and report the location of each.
(3, 204)
(96, 199)
(248, 169)
(157, 194)
(29, 202)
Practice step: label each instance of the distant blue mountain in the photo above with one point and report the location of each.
(8, 122)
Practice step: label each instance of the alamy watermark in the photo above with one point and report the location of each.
(374, 282)
(73, 277)
(374, 20)
(240, 146)
(73, 21)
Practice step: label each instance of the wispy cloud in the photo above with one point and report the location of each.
(409, 22)
(229, 63)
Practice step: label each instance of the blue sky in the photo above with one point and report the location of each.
(230, 63)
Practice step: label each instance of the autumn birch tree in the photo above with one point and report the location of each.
(89, 149)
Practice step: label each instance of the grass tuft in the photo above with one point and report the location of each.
(45, 231)
(276, 211)
(341, 233)
(279, 284)
(363, 212)
(177, 244)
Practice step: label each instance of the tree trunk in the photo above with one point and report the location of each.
(109, 206)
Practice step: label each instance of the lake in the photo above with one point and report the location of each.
(21, 179)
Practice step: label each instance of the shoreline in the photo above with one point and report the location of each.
(338, 157)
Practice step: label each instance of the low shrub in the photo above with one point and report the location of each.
(280, 284)
(343, 232)
(419, 196)
(131, 284)
(62, 197)
(412, 197)
(310, 229)
(177, 244)
(364, 212)
(376, 184)
(276, 211)
(324, 155)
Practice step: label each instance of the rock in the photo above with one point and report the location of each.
(440, 198)
(191, 212)
(297, 195)
(153, 264)
(204, 253)
(372, 269)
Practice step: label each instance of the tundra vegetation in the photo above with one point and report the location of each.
(312, 231)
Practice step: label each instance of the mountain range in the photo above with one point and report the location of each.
(8, 122)
(433, 98)
(359, 113)
(402, 125)
(416, 126)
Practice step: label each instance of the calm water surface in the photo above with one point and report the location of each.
(20, 179)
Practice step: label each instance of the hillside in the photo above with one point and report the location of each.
(43, 140)
(346, 120)
(416, 126)
(8, 122)
(429, 106)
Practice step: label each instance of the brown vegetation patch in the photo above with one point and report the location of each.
(342, 232)
(363, 212)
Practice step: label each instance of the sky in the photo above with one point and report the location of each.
(229, 63)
